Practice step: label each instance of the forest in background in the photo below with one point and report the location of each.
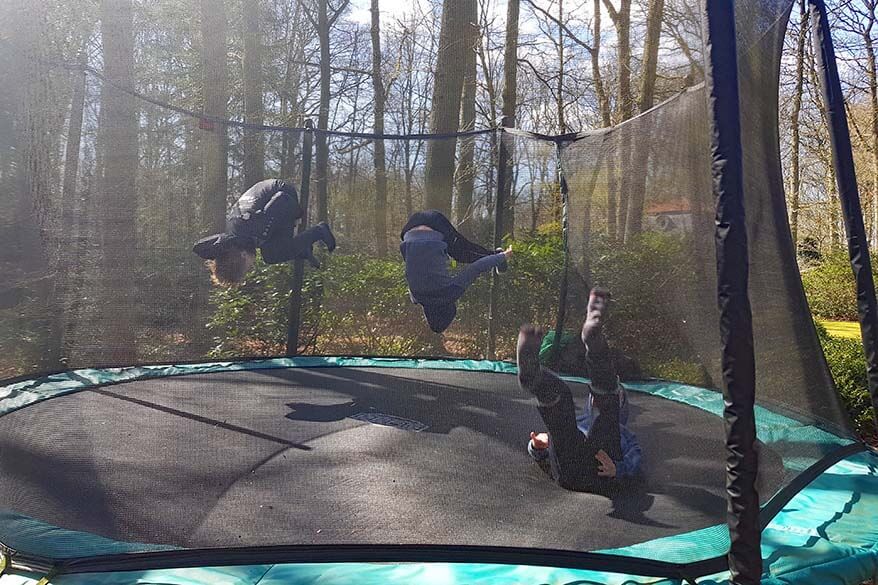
(106, 190)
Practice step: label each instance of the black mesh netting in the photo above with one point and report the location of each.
(97, 270)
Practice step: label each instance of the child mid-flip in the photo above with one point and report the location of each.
(428, 239)
(263, 217)
(585, 453)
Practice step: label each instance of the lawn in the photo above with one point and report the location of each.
(848, 329)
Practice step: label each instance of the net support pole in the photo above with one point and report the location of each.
(848, 192)
(565, 227)
(295, 307)
(499, 213)
(732, 265)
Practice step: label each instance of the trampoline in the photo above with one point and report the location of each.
(155, 430)
(274, 459)
(344, 455)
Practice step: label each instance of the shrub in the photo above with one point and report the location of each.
(830, 287)
(847, 363)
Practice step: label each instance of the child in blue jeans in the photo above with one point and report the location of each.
(588, 452)
(428, 239)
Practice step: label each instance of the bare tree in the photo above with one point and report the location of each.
(74, 140)
(466, 171)
(867, 24)
(119, 194)
(445, 115)
(640, 161)
(378, 128)
(215, 93)
(323, 24)
(796, 190)
(254, 145)
(510, 89)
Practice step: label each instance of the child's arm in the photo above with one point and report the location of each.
(629, 466)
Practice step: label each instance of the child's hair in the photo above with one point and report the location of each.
(230, 267)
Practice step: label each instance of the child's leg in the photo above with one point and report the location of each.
(459, 247)
(604, 431)
(431, 218)
(469, 273)
(598, 358)
(285, 247)
(573, 463)
(465, 251)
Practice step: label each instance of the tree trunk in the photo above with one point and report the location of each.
(445, 115)
(466, 172)
(606, 117)
(623, 31)
(796, 190)
(74, 237)
(510, 90)
(599, 89)
(650, 53)
(873, 101)
(380, 164)
(491, 90)
(292, 79)
(559, 95)
(254, 145)
(647, 94)
(622, 22)
(118, 191)
(214, 138)
(321, 162)
(34, 221)
(74, 141)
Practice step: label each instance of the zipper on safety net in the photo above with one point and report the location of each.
(10, 559)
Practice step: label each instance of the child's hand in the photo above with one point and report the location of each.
(606, 466)
(539, 441)
(508, 252)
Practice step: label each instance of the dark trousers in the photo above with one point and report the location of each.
(571, 452)
(459, 247)
(285, 246)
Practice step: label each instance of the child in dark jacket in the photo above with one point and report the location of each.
(263, 217)
(589, 452)
(428, 239)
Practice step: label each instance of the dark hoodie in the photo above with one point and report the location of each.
(267, 208)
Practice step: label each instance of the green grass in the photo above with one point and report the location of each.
(846, 329)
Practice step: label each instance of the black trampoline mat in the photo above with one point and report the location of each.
(345, 455)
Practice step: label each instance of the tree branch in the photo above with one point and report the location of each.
(563, 26)
(614, 14)
(338, 12)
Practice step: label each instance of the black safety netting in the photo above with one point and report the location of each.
(98, 271)
(647, 183)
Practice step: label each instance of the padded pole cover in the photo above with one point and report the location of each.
(849, 194)
(294, 315)
(736, 324)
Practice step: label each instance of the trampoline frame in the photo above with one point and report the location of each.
(28, 391)
(736, 328)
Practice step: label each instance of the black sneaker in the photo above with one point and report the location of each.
(327, 236)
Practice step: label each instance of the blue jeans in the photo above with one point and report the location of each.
(459, 247)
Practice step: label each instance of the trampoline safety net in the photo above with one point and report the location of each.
(115, 158)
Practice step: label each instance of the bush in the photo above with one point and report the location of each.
(830, 287)
(354, 305)
(847, 363)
